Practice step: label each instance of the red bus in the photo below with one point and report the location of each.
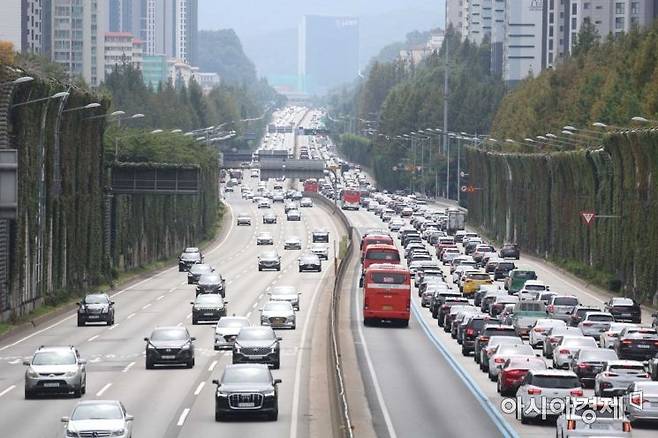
(350, 199)
(373, 239)
(387, 294)
(311, 185)
(379, 253)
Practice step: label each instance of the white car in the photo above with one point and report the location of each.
(617, 375)
(568, 346)
(278, 314)
(285, 293)
(321, 250)
(607, 339)
(541, 387)
(294, 215)
(227, 329)
(306, 203)
(264, 239)
(608, 422)
(264, 203)
(502, 352)
(292, 242)
(449, 254)
(538, 332)
(96, 417)
(243, 219)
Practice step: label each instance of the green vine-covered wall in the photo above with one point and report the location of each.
(536, 201)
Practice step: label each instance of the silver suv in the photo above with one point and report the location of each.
(97, 418)
(55, 370)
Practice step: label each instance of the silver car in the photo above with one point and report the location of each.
(97, 418)
(278, 314)
(293, 215)
(55, 370)
(618, 375)
(292, 242)
(321, 250)
(227, 330)
(595, 323)
(537, 334)
(641, 401)
(285, 293)
(264, 239)
(567, 348)
(555, 335)
(243, 219)
(607, 339)
(608, 423)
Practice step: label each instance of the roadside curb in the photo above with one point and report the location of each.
(57, 312)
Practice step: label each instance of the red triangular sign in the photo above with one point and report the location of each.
(588, 216)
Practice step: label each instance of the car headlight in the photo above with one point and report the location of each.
(268, 393)
(186, 346)
(72, 433)
(222, 394)
(82, 310)
(32, 374)
(70, 374)
(105, 310)
(118, 432)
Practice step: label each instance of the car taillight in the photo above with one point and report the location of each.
(636, 400)
(587, 324)
(576, 392)
(564, 351)
(583, 365)
(538, 329)
(470, 332)
(609, 374)
(551, 308)
(655, 343)
(626, 342)
(571, 424)
(627, 426)
(552, 339)
(499, 360)
(534, 391)
(484, 339)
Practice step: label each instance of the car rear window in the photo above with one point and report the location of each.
(528, 275)
(628, 369)
(602, 354)
(383, 255)
(382, 277)
(505, 265)
(500, 332)
(622, 302)
(562, 382)
(604, 318)
(479, 276)
(565, 301)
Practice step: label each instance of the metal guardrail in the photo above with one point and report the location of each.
(340, 395)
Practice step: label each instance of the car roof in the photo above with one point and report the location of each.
(553, 373)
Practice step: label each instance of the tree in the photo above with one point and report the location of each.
(587, 38)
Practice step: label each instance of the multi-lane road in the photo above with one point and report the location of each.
(176, 402)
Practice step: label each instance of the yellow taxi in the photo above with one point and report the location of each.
(473, 281)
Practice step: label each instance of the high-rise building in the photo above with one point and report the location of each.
(21, 24)
(328, 52)
(125, 16)
(170, 27)
(455, 14)
(78, 29)
(122, 48)
(523, 39)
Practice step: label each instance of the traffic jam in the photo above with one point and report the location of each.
(589, 370)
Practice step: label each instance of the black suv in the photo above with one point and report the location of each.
(444, 309)
(196, 271)
(487, 332)
(472, 330)
(170, 345)
(503, 268)
(208, 307)
(211, 284)
(189, 257)
(247, 389)
(320, 236)
(96, 308)
(439, 298)
(510, 250)
(624, 310)
(257, 345)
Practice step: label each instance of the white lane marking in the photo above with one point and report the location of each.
(371, 368)
(160, 297)
(128, 367)
(179, 324)
(183, 416)
(114, 326)
(174, 288)
(103, 389)
(7, 390)
(300, 356)
(248, 314)
(146, 306)
(14, 362)
(184, 282)
(189, 315)
(254, 305)
(92, 338)
(212, 366)
(199, 388)
(260, 296)
(130, 316)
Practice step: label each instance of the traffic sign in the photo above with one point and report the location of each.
(469, 189)
(588, 217)
(462, 174)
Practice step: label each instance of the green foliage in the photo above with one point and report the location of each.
(356, 148)
(610, 82)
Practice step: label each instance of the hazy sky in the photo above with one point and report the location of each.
(257, 17)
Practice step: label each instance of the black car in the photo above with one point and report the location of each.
(269, 260)
(310, 262)
(472, 331)
(489, 330)
(510, 250)
(96, 308)
(211, 284)
(588, 362)
(440, 298)
(624, 310)
(636, 343)
(196, 271)
(579, 313)
(170, 346)
(269, 218)
(257, 345)
(503, 268)
(320, 236)
(189, 257)
(208, 307)
(246, 389)
(444, 308)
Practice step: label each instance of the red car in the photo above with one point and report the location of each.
(514, 372)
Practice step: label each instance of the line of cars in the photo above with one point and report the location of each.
(502, 314)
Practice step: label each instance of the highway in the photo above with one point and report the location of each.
(172, 402)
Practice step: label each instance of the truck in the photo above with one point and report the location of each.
(456, 219)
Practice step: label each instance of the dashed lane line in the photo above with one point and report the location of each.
(183, 416)
(199, 388)
(103, 389)
(7, 390)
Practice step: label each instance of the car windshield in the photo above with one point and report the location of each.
(527, 363)
(622, 302)
(277, 305)
(604, 318)
(190, 256)
(383, 255)
(602, 354)
(200, 269)
(232, 322)
(209, 299)
(96, 299)
(560, 382)
(269, 255)
(251, 374)
(525, 275)
(54, 358)
(479, 276)
(500, 332)
(192, 249)
(628, 369)
(97, 411)
(283, 290)
(256, 335)
(169, 335)
(535, 287)
(516, 349)
(565, 301)
(209, 279)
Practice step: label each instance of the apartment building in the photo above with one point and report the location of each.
(21, 23)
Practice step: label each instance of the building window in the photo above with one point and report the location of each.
(574, 8)
(635, 8)
(619, 8)
(619, 23)
(586, 5)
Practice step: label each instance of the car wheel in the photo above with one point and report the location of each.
(81, 322)
(524, 419)
(189, 281)
(278, 268)
(149, 364)
(111, 321)
(294, 327)
(260, 268)
(319, 270)
(464, 351)
(301, 270)
(404, 323)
